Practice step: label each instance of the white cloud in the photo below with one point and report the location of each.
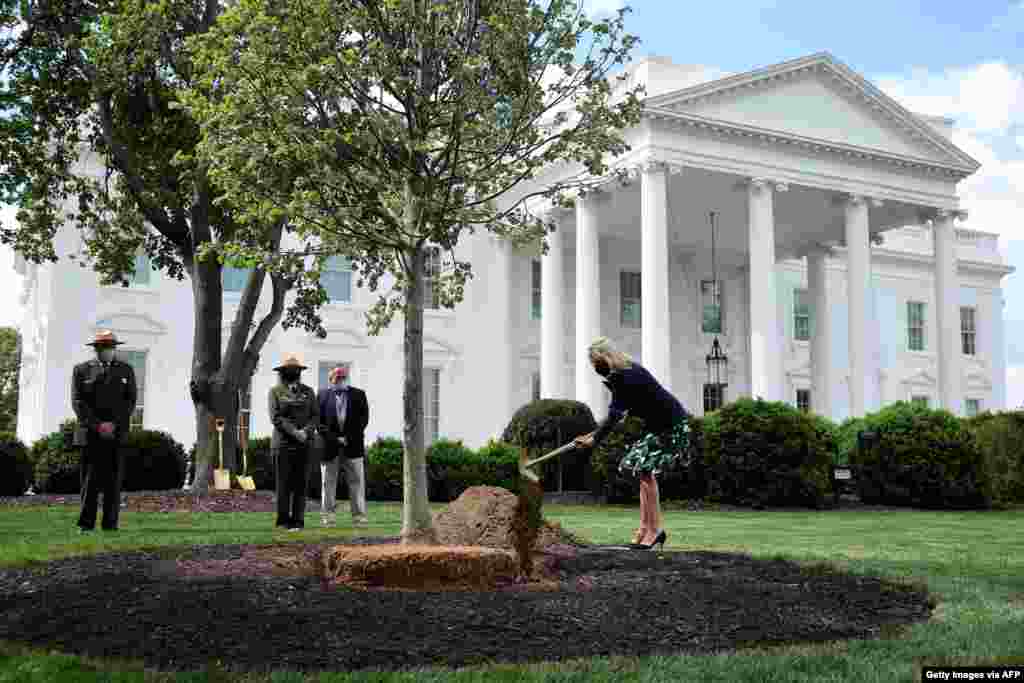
(600, 8)
(10, 281)
(1014, 387)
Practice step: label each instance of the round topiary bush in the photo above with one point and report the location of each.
(999, 437)
(153, 461)
(15, 466)
(543, 425)
(924, 457)
(57, 468)
(760, 453)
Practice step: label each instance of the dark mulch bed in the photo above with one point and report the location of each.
(610, 602)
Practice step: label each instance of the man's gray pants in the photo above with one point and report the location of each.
(355, 477)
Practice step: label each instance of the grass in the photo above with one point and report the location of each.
(972, 562)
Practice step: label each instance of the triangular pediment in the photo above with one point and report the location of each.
(817, 98)
(128, 322)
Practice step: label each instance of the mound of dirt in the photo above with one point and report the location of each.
(485, 516)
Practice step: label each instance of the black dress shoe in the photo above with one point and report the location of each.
(659, 540)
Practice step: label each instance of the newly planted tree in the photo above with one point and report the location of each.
(92, 138)
(405, 123)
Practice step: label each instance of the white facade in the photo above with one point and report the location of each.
(823, 186)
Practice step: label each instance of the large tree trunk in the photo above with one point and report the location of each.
(417, 523)
(208, 307)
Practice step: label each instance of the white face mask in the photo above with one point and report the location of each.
(105, 355)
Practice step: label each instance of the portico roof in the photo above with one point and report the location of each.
(819, 104)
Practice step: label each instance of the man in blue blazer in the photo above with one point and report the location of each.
(344, 414)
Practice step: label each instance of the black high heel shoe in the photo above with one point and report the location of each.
(659, 540)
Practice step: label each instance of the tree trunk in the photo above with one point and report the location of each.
(417, 523)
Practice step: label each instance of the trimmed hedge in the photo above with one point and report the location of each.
(759, 453)
(153, 460)
(543, 425)
(57, 469)
(15, 466)
(924, 457)
(1000, 437)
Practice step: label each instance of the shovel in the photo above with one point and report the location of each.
(221, 476)
(525, 465)
(245, 481)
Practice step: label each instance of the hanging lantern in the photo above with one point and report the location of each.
(717, 362)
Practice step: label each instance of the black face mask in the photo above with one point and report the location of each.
(601, 368)
(290, 375)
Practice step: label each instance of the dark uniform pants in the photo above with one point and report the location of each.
(102, 472)
(293, 465)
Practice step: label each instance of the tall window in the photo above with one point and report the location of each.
(141, 275)
(972, 406)
(535, 386)
(137, 359)
(915, 325)
(711, 305)
(431, 402)
(714, 397)
(920, 401)
(968, 330)
(535, 292)
(801, 315)
(432, 271)
(234, 279)
(244, 413)
(336, 278)
(323, 369)
(629, 296)
(803, 400)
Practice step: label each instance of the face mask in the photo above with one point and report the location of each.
(341, 383)
(601, 367)
(290, 375)
(105, 355)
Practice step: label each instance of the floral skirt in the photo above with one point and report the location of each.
(654, 453)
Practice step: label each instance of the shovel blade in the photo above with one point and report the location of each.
(222, 480)
(247, 483)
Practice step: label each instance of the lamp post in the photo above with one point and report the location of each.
(717, 362)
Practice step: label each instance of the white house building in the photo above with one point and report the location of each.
(843, 280)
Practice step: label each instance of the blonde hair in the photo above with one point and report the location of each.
(602, 348)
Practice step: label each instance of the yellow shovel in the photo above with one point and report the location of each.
(221, 476)
(246, 481)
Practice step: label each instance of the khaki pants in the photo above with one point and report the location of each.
(355, 477)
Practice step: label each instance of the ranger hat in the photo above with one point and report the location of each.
(104, 338)
(291, 361)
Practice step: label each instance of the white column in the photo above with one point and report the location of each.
(821, 342)
(765, 346)
(858, 283)
(947, 311)
(654, 310)
(552, 318)
(588, 306)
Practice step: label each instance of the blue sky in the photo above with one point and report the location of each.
(955, 59)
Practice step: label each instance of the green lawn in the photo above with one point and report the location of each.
(972, 561)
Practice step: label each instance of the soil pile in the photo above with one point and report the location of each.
(419, 567)
(485, 516)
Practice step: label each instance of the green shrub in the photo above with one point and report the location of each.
(924, 457)
(153, 461)
(543, 425)
(846, 439)
(259, 463)
(499, 465)
(384, 469)
(15, 466)
(608, 482)
(763, 453)
(1000, 437)
(451, 469)
(57, 469)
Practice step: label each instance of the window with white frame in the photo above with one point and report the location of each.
(920, 401)
(233, 279)
(711, 306)
(972, 406)
(323, 371)
(432, 271)
(535, 386)
(629, 296)
(803, 400)
(801, 315)
(535, 296)
(431, 403)
(915, 325)
(137, 359)
(244, 413)
(140, 275)
(714, 397)
(968, 330)
(336, 279)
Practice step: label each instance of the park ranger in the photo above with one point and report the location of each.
(295, 415)
(103, 396)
